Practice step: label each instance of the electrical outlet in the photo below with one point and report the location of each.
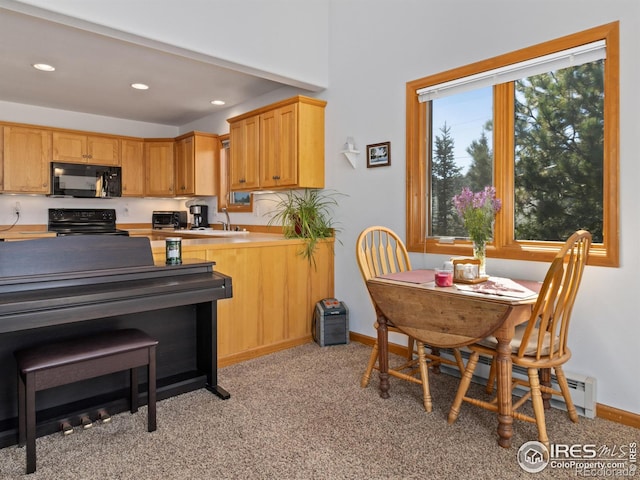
(16, 208)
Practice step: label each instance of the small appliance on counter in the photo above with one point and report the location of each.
(174, 220)
(200, 216)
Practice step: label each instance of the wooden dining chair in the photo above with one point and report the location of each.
(380, 251)
(539, 345)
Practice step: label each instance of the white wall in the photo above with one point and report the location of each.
(34, 208)
(291, 46)
(20, 113)
(375, 50)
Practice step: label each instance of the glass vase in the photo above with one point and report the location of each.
(480, 252)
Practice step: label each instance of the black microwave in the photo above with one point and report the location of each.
(85, 181)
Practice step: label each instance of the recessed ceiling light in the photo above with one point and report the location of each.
(44, 67)
(217, 102)
(140, 86)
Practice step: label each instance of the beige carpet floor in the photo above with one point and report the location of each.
(301, 414)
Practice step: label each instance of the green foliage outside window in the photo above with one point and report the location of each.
(559, 137)
(559, 132)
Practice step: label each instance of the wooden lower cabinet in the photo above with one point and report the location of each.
(274, 295)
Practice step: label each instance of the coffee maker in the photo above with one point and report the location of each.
(200, 216)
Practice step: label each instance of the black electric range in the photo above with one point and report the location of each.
(83, 221)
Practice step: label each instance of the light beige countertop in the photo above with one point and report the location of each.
(190, 238)
(253, 239)
(210, 232)
(198, 238)
(25, 235)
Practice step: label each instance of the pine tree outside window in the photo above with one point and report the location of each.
(547, 141)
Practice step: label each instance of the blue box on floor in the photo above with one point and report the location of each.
(330, 322)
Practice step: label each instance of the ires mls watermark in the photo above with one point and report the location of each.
(583, 460)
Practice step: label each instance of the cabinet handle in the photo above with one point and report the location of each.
(276, 177)
(242, 180)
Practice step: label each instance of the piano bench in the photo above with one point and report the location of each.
(72, 360)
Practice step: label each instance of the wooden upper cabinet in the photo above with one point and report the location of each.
(279, 146)
(132, 160)
(245, 157)
(196, 164)
(78, 148)
(185, 166)
(188, 165)
(159, 168)
(103, 150)
(289, 146)
(207, 163)
(309, 146)
(26, 160)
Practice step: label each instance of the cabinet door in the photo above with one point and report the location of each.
(185, 166)
(69, 147)
(26, 160)
(245, 157)
(132, 168)
(274, 294)
(207, 164)
(310, 144)
(279, 147)
(158, 159)
(236, 155)
(103, 150)
(78, 148)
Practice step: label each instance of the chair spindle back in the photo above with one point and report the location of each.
(380, 251)
(551, 314)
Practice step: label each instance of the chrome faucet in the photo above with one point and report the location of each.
(226, 226)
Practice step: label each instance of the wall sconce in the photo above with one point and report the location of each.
(350, 151)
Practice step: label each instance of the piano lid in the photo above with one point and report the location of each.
(73, 253)
(72, 279)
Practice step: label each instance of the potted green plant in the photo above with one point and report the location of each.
(306, 214)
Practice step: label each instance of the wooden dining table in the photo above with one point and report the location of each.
(447, 317)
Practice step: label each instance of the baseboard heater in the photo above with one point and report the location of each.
(582, 388)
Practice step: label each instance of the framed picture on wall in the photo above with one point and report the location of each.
(379, 155)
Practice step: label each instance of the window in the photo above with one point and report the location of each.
(461, 154)
(541, 125)
(232, 201)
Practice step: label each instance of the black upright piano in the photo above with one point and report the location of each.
(70, 286)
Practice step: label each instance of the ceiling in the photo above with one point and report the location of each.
(94, 73)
